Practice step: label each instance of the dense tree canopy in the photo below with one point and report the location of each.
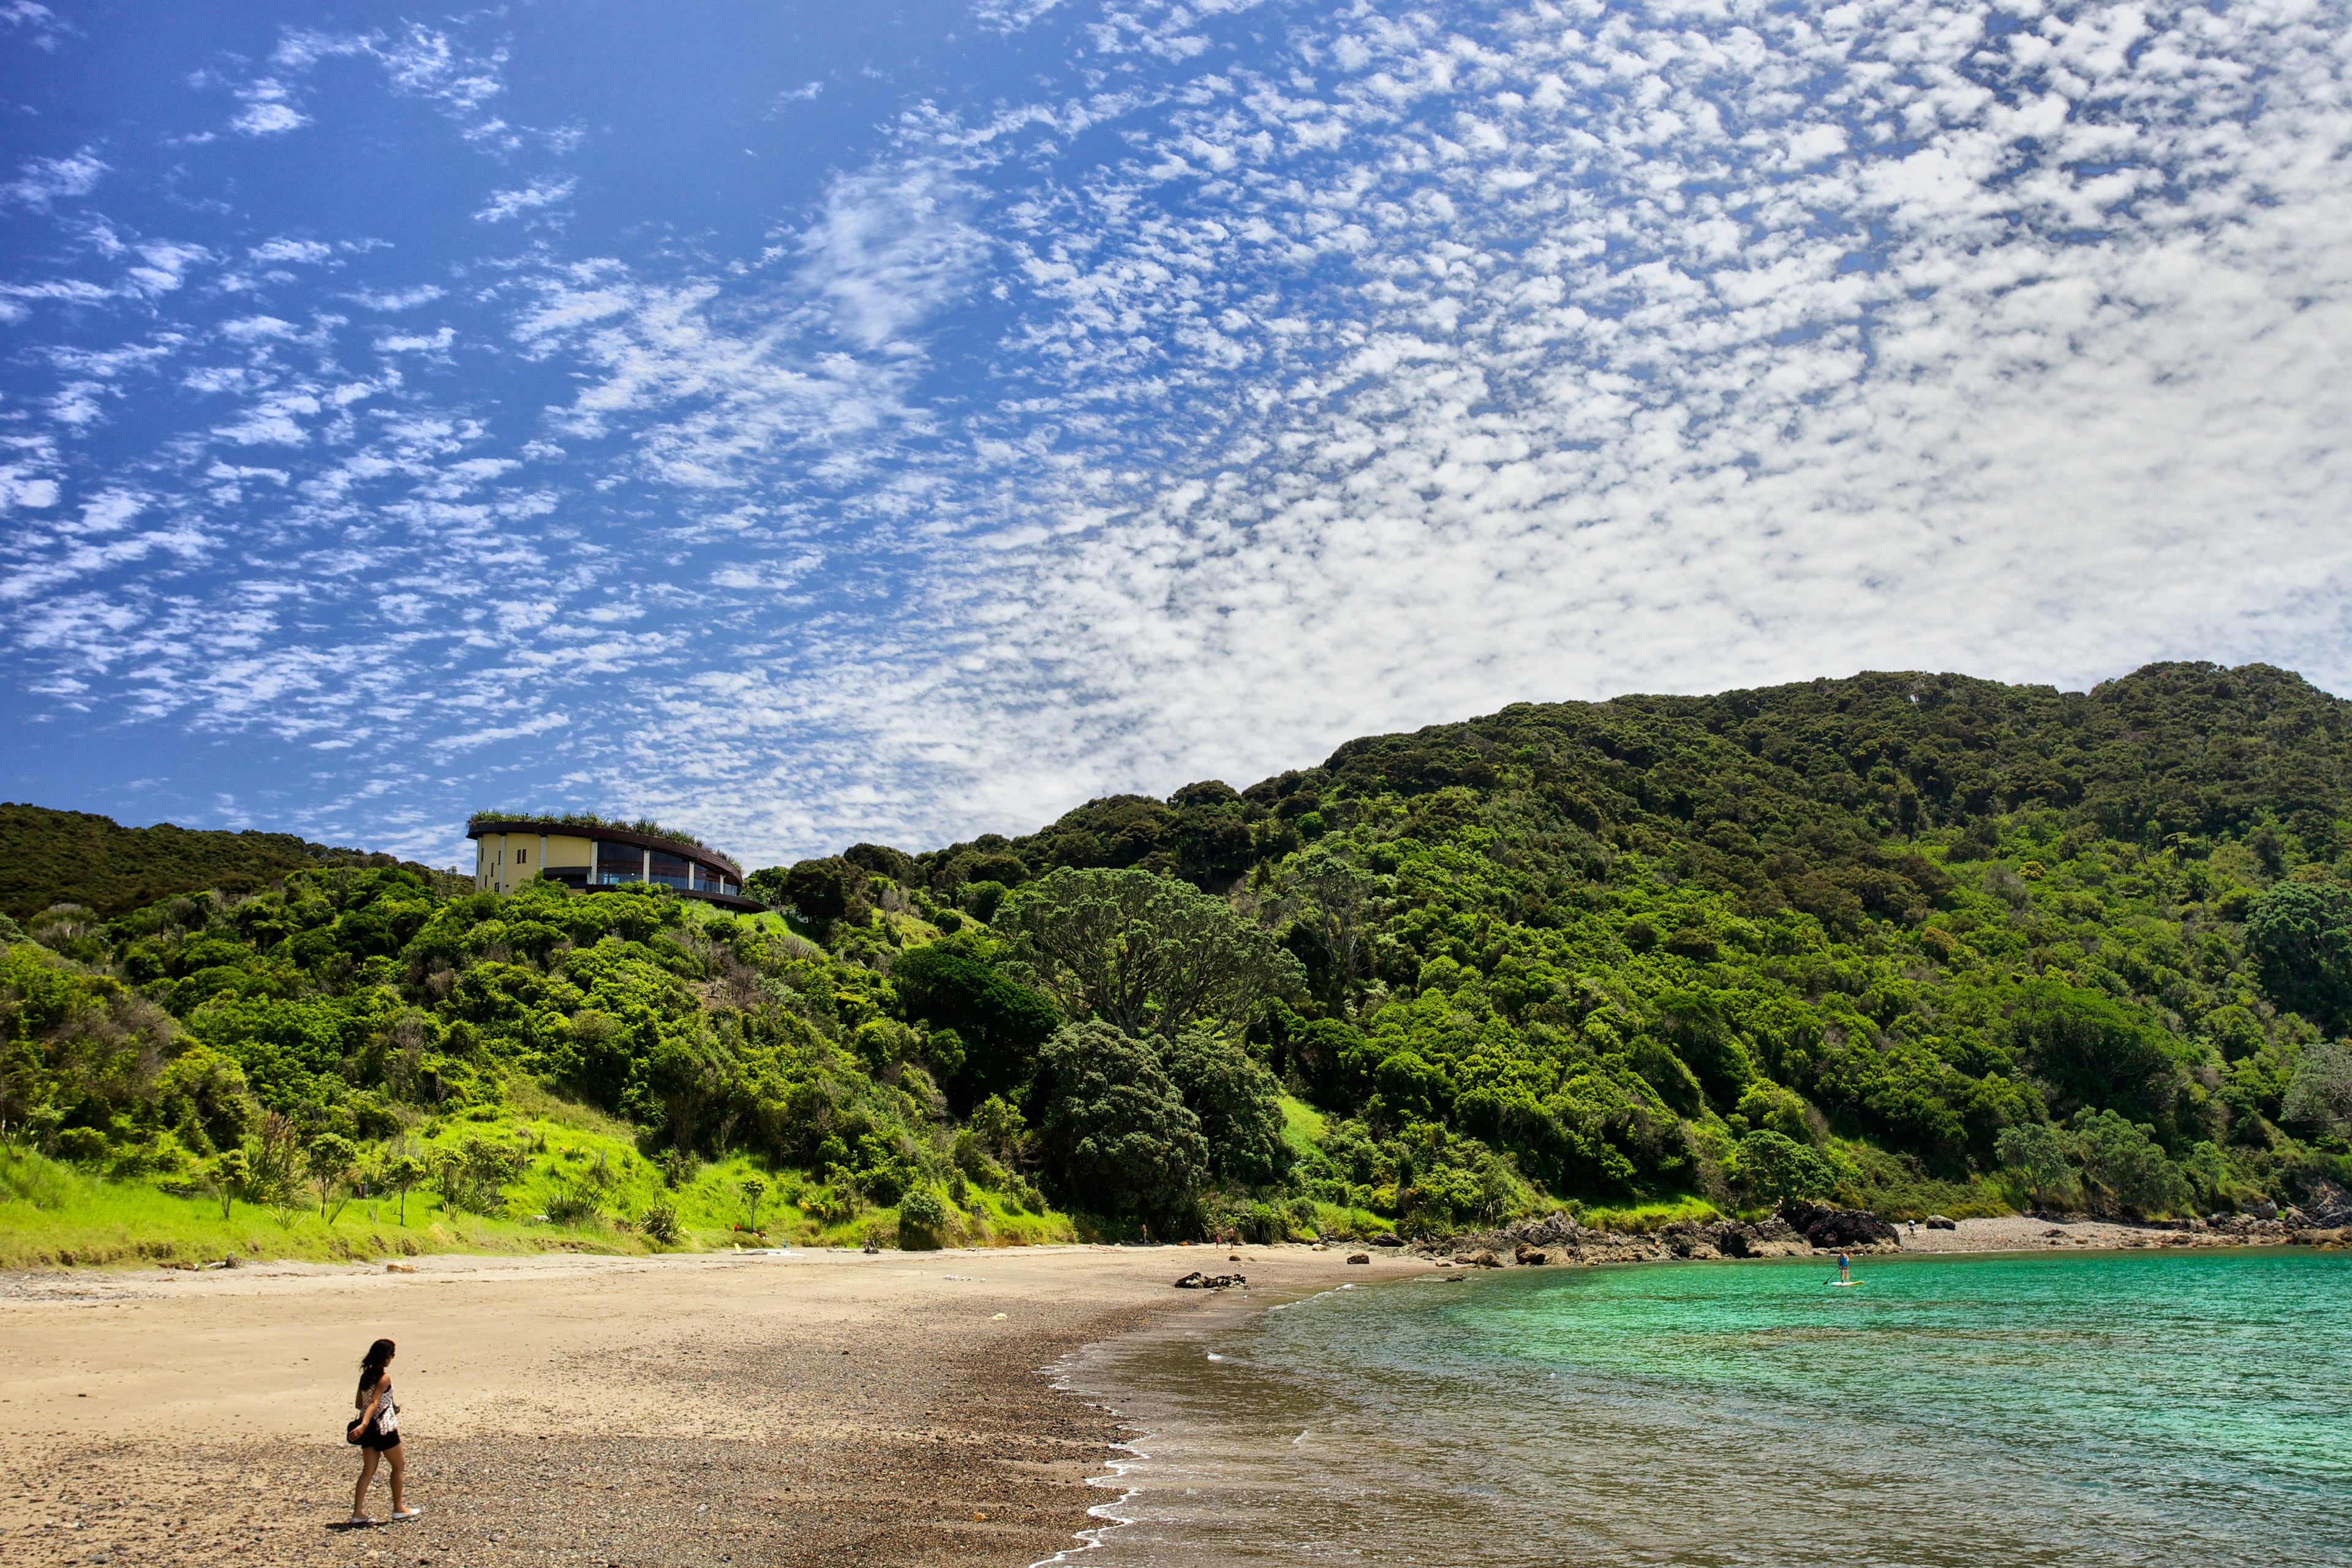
(1143, 953)
(1917, 941)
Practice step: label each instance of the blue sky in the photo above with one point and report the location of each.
(809, 423)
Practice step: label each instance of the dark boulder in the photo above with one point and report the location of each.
(1196, 1280)
(1827, 1226)
(1359, 1257)
(1531, 1257)
(1938, 1221)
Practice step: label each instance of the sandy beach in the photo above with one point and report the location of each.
(811, 1407)
(816, 1406)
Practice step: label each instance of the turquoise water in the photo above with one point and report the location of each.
(2083, 1409)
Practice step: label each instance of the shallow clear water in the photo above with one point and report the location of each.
(2084, 1408)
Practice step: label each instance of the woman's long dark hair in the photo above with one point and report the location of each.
(371, 1365)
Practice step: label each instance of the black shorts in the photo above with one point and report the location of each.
(372, 1438)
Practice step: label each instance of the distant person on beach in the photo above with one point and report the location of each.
(376, 1430)
(1845, 1271)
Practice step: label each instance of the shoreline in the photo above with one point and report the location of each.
(809, 1407)
(716, 1408)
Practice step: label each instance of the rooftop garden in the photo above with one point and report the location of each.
(585, 819)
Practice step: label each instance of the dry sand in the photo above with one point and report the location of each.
(2025, 1233)
(814, 1407)
(740, 1409)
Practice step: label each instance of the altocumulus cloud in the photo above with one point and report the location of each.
(1227, 381)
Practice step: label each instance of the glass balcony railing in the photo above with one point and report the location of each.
(605, 877)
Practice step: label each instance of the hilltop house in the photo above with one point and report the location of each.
(511, 851)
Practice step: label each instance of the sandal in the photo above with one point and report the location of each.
(358, 1522)
(400, 1513)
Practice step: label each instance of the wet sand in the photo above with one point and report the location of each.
(814, 1407)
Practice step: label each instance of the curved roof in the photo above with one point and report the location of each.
(678, 846)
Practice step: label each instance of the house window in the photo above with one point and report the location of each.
(618, 863)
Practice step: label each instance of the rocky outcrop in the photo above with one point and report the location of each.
(1705, 1239)
(1532, 1257)
(1196, 1280)
(1557, 1239)
(1482, 1258)
(1938, 1221)
(2325, 1206)
(1828, 1226)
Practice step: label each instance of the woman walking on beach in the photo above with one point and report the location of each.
(376, 1430)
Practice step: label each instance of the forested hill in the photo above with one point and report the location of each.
(1810, 796)
(76, 856)
(1918, 941)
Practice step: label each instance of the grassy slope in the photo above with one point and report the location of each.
(51, 1212)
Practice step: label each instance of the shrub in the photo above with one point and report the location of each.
(659, 1222)
(923, 1211)
(572, 1205)
(82, 1145)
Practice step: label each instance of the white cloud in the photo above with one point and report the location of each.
(414, 342)
(398, 299)
(1009, 15)
(1221, 404)
(538, 193)
(304, 250)
(39, 23)
(891, 247)
(40, 181)
(268, 110)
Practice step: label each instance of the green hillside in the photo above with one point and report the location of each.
(1919, 942)
(73, 857)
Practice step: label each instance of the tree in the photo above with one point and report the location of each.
(753, 1189)
(2124, 1160)
(330, 1159)
(1117, 1135)
(955, 984)
(1337, 903)
(2092, 1050)
(2300, 934)
(682, 1076)
(226, 1177)
(274, 1169)
(1772, 1166)
(822, 891)
(1238, 1103)
(1145, 953)
(2321, 1090)
(404, 1171)
(2043, 1159)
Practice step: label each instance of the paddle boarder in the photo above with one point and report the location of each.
(1845, 1270)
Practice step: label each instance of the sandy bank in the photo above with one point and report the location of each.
(814, 1407)
(2023, 1233)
